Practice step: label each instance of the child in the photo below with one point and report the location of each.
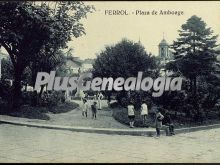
(144, 112)
(131, 115)
(159, 118)
(85, 107)
(94, 110)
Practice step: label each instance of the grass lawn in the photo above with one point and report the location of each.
(30, 112)
(121, 115)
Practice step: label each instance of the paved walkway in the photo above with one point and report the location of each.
(75, 118)
(35, 145)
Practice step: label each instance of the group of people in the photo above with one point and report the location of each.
(161, 120)
(164, 121)
(131, 114)
(86, 107)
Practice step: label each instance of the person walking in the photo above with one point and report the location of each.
(85, 108)
(94, 109)
(131, 115)
(167, 121)
(158, 122)
(100, 97)
(144, 112)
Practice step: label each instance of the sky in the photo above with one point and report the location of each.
(102, 30)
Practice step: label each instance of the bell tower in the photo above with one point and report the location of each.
(165, 55)
(164, 49)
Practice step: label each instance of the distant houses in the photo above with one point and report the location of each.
(75, 64)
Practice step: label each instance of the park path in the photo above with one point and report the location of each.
(75, 118)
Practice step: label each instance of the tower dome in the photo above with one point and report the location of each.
(163, 43)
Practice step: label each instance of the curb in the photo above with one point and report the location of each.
(143, 132)
(133, 132)
(198, 128)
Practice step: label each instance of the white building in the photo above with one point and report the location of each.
(75, 64)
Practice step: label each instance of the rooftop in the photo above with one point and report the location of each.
(163, 42)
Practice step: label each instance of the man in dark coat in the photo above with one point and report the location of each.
(168, 122)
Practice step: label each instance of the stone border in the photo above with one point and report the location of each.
(198, 128)
(134, 132)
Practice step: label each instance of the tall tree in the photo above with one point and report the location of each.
(28, 29)
(194, 53)
(125, 59)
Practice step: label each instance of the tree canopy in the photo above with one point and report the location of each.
(194, 53)
(32, 31)
(125, 59)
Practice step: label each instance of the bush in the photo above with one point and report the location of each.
(64, 107)
(28, 98)
(52, 98)
(136, 97)
(5, 90)
(3, 106)
(31, 113)
(114, 105)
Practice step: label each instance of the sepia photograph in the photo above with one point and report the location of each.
(109, 82)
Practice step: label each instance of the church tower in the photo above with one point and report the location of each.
(165, 56)
(164, 50)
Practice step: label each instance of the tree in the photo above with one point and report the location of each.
(6, 69)
(195, 58)
(194, 53)
(125, 59)
(30, 30)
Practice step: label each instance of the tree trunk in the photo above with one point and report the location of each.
(41, 91)
(16, 93)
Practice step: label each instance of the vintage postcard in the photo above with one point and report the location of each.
(109, 81)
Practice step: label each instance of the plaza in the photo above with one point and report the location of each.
(23, 143)
(35, 145)
(72, 91)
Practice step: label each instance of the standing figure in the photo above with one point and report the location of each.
(95, 97)
(131, 115)
(85, 107)
(144, 112)
(94, 110)
(168, 122)
(100, 97)
(158, 121)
